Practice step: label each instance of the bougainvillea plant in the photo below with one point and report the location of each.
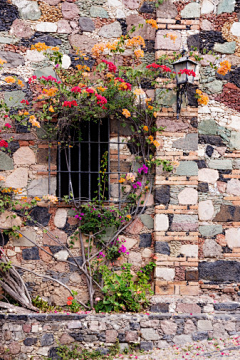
(65, 102)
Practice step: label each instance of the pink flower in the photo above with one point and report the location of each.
(111, 66)
(7, 126)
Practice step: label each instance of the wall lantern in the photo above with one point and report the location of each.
(185, 74)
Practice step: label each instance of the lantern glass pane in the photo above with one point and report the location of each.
(181, 78)
(191, 66)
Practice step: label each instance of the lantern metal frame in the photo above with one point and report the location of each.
(183, 79)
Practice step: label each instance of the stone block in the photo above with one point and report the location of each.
(189, 250)
(220, 164)
(184, 222)
(6, 162)
(191, 11)
(160, 308)
(210, 230)
(188, 196)
(13, 98)
(149, 334)
(146, 345)
(211, 249)
(60, 218)
(31, 254)
(98, 12)
(135, 258)
(112, 30)
(46, 27)
(205, 210)
(162, 195)
(192, 290)
(232, 237)
(233, 187)
(61, 237)
(220, 271)
(147, 221)
(191, 275)
(207, 7)
(128, 242)
(225, 48)
(189, 142)
(200, 336)
(182, 339)
(228, 213)
(165, 43)
(24, 156)
(135, 227)
(39, 187)
(226, 6)
(145, 240)
(167, 274)
(162, 247)
(187, 168)
(204, 325)
(163, 288)
(208, 175)
(17, 179)
(131, 336)
(111, 336)
(69, 10)
(168, 327)
(23, 241)
(7, 221)
(161, 222)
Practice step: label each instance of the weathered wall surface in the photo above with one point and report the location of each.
(197, 213)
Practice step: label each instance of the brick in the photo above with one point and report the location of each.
(195, 27)
(176, 27)
(164, 288)
(166, 21)
(189, 290)
(162, 26)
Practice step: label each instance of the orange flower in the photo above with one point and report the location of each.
(69, 303)
(152, 22)
(122, 180)
(135, 41)
(145, 128)
(155, 114)
(10, 80)
(138, 92)
(2, 178)
(51, 109)
(172, 37)
(126, 113)
(156, 143)
(225, 67)
(2, 61)
(150, 107)
(128, 217)
(139, 53)
(150, 138)
(20, 83)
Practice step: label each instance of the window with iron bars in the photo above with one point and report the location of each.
(79, 163)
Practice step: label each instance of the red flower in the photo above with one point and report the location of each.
(50, 78)
(129, 86)
(3, 143)
(31, 79)
(24, 102)
(7, 125)
(111, 66)
(70, 298)
(76, 89)
(101, 100)
(5, 116)
(70, 103)
(90, 91)
(69, 303)
(188, 72)
(156, 66)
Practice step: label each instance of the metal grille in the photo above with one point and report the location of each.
(78, 165)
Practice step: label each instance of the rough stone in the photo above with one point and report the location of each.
(210, 230)
(64, 27)
(165, 43)
(17, 179)
(160, 308)
(220, 271)
(7, 221)
(31, 254)
(129, 243)
(40, 215)
(46, 27)
(150, 334)
(208, 175)
(189, 250)
(24, 156)
(131, 336)
(14, 98)
(45, 71)
(69, 10)
(188, 196)
(162, 195)
(233, 187)
(226, 6)
(161, 222)
(135, 258)
(97, 11)
(228, 213)
(232, 237)
(214, 87)
(200, 336)
(111, 336)
(189, 327)
(146, 345)
(60, 218)
(47, 339)
(235, 29)
(39, 187)
(147, 221)
(145, 240)
(30, 11)
(220, 164)
(13, 59)
(30, 341)
(203, 187)
(23, 241)
(132, 4)
(167, 274)
(187, 168)
(211, 249)
(112, 30)
(53, 2)
(6, 162)
(34, 56)
(182, 339)
(225, 48)
(172, 125)
(205, 210)
(167, 10)
(162, 247)
(82, 42)
(189, 142)
(191, 11)
(14, 348)
(184, 222)
(66, 339)
(169, 327)
(135, 227)
(147, 32)
(205, 325)
(86, 24)
(235, 140)
(61, 255)
(188, 308)
(207, 7)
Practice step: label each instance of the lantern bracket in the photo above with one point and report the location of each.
(181, 90)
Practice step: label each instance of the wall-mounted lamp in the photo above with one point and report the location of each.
(185, 73)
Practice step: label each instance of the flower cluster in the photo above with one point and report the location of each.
(76, 89)
(2, 61)
(156, 66)
(152, 22)
(101, 100)
(70, 103)
(202, 98)
(69, 302)
(172, 37)
(143, 169)
(111, 66)
(34, 122)
(32, 79)
(124, 86)
(50, 78)
(225, 67)
(123, 250)
(139, 53)
(135, 42)
(126, 113)
(53, 199)
(50, 92)
(3, 143)
(187, 72)
(43, 47)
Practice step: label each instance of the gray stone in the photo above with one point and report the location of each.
(7, 221)
(225, 48)
(17, 179)
(131, 4)
(226, 6)
(189, 142)
(86, 24)
(211, 249)
(46, 71)
(6, 162)
(97, 11)
(184, 222)
(31, 11)
(165, 43)
(187, 168)
(146, 345)
(39, 187)
(162, 247)
(182, 339)
(147, 221)
(23, 241)
(145, 240)
(31, 254)
(113, 30)
(210, 230)
(208, 127)
(162, 195)
(14, 98)
(191, 11)
(150, 334)
(205, 210)
(199, 336)
(60, 218)
(214, 87)
(7, 40)
(167, 98)
(47, 339)
(167, 10)
(219, 271)
(160, 308)
(13, 59)
(234, 142)
(205, 325)
(220, 164)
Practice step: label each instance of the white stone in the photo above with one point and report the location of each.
(207, 7)
(62, 255)
(235, 29)
(208, 175)
(233, 187)
(211, 248)
(114, 3)
(120, 14)
(205, 325)
(20, 3)
(188, 196)
(66, 61)
(24, 156)
(34, 56)
(189, 250)
(147, 253)
(60, 218)
(43, 351)
(10, 252)
(46, 27)
(232, 237)
(205, 210)
(135, 258)
(127, 241)
(164, 273)
(161, 222)
(17, 179)
(235, 122)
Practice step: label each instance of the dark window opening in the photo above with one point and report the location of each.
(79, 163)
